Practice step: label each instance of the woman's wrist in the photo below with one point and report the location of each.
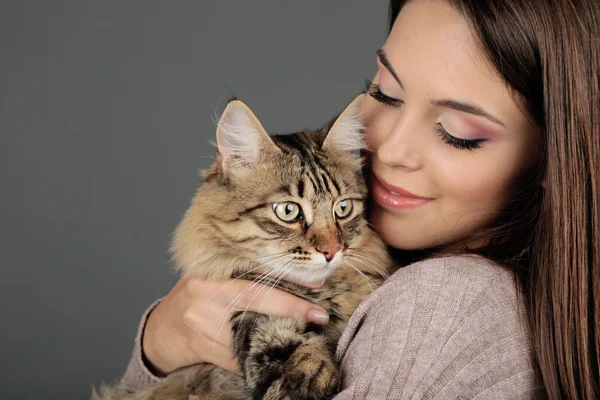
(151, 367)
(150, 357)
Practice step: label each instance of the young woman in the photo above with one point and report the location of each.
(483, 122)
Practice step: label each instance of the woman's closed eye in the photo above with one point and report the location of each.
(373, 90)
(461, 144)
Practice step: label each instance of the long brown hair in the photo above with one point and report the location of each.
(548, 52)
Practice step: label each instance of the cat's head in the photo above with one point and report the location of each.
(291, 203)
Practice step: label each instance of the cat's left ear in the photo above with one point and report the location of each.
(346, 133)
(241, 139)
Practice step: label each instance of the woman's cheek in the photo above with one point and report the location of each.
(468, 183)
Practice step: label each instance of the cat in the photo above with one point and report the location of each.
(274, 205)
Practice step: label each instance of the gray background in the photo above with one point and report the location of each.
(106, 108)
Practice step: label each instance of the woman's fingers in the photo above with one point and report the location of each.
(219, 355)
(192, 323)
(212, 321)
(250, 296)
(243, 295)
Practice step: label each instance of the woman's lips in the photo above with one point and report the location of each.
(394, 197)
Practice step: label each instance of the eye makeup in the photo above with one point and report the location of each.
(475, 140)
(373, 90)
(461, 144)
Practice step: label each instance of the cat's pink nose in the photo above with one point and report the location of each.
(329, 251)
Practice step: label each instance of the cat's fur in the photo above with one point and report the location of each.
(232, 228)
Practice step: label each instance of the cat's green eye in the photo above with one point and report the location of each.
(343, 208)
(287, 212)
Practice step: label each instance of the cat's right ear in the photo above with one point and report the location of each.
(241, 139)
(346, 133)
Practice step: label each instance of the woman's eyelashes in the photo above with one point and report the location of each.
(462, 144)
(373, 90)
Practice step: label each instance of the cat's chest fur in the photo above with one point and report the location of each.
(284, 356)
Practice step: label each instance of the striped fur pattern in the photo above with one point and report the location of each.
(234, 228)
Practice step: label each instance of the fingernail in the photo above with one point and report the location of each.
(318, 316)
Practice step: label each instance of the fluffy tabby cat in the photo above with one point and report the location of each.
(292, 205)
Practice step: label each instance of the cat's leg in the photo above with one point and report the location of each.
(283, 361)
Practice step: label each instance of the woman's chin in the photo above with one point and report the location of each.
(395, 232)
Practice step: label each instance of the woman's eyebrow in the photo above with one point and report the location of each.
(453, 104)
(383, 58)
(467, 108)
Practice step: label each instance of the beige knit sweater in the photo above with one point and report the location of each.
(446, 328)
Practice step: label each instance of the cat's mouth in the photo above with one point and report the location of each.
(312, 275)
(308, 275)
(312, 285)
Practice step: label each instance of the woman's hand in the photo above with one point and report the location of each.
(191, 324)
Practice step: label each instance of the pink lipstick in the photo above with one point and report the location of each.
(394, 197)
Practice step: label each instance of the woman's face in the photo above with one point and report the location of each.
(448, 138)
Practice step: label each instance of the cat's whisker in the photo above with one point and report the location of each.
(373, 286)
(270, 255)
(240, 276)
(269, 259)
(228, 310)
(226, 317)
(358, 260)
(264, 281)
(375, 264)
(365, 251)
(229, 283)
(274, 264)
(370, 224)
(377, 273)
(253, 283)
(284, 270)
(371, 264)
(232, 305)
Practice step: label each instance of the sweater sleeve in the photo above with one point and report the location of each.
(138, 375)
(440, 329)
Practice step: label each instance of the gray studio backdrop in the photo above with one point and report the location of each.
(106, 109)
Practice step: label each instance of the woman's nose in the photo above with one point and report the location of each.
(400, 147)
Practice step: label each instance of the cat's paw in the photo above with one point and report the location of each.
(310, 373)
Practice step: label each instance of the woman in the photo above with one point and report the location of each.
(483, 124)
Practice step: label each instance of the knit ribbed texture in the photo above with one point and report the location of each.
(439, 329)
(137, 375)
